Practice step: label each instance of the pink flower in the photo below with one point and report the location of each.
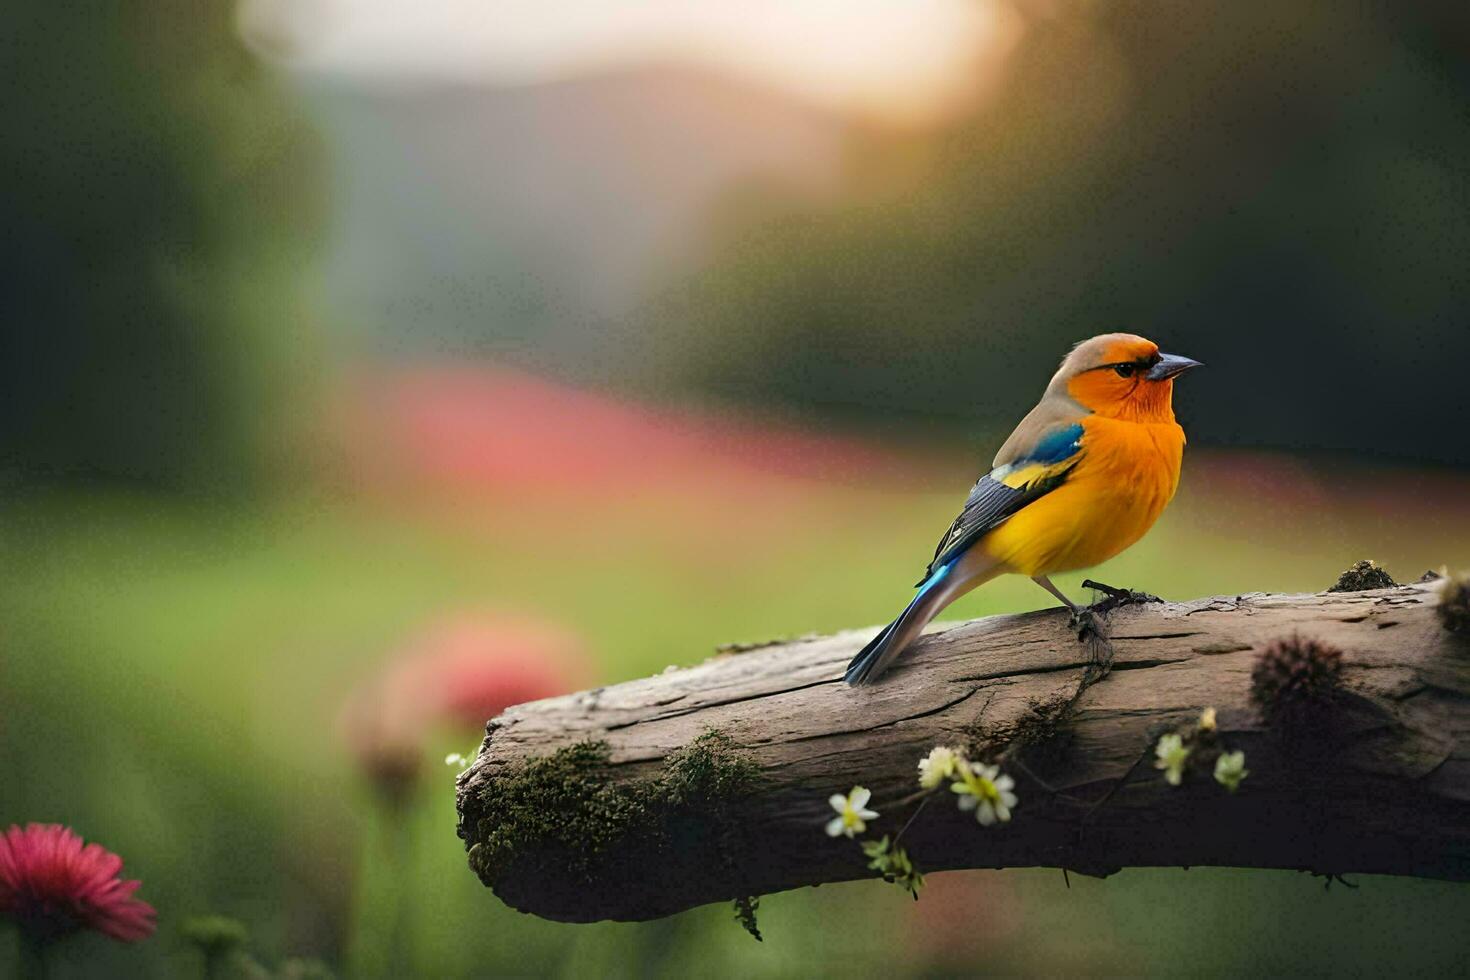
(51, 885)
(460, 672)
(472, 668)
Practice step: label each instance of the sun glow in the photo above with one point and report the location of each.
(903, 60)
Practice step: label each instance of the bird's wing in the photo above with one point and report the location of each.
(1006, 489)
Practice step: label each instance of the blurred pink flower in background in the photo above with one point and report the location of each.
(459, 672)
(53, 885)
(494, 429)
(473, 667)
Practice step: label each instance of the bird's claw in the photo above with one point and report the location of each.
(1091, 633)
(1116, 598)
(1088, 621)
(1084, 623)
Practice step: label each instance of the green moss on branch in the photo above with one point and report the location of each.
(1364, 575)
(566, 815)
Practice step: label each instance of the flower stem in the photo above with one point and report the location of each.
(32, 957)
(917, 810)
(381, 928)
(1015, 763)
(400, 953)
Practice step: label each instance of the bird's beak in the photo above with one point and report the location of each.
(1170, 365)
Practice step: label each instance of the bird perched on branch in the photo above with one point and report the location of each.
(1085, 475)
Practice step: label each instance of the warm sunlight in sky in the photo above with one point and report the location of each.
(903, 59)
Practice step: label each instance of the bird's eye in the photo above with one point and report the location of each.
(1124, 370)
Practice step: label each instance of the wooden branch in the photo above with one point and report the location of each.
(1377, 783)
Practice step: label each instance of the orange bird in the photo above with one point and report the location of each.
(1085, 475)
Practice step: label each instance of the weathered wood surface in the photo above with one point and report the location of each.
(1384, 787)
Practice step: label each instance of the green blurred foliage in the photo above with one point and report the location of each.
(173, 677)
(158, 205)
(1277, 189)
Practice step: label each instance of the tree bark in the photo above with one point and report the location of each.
(1377, 782)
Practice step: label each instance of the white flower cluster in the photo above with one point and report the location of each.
(984, 789)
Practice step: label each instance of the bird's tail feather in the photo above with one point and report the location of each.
(863, 666)
(894, 638)
(949, 582)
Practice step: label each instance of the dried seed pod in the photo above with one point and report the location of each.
(1293, 673)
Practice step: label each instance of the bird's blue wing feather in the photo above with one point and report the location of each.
(1006, 489)
(1057, 445)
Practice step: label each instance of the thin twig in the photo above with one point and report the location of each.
(1103, 800)
(1015, 762)
(917, 810)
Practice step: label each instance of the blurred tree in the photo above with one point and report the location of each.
(156, 221)
(1279, 190)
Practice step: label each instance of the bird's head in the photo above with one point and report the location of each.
(1122, 375)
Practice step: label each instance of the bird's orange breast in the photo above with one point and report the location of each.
(1126, 477)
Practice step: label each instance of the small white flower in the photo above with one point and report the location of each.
(987, 791)
(1230, 770)
(852, 813)
(1207, 720)
(1172, 755)
(940, 764)
(458, 760)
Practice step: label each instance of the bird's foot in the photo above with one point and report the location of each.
(1115, 598)
(1090, 623)
(1092, 633)
(1086, 623)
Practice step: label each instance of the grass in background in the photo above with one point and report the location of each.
(171, 679)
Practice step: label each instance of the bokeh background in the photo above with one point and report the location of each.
(357, 346)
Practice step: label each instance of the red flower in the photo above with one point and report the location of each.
(461, 671)
(471, 668)
(53, 885)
